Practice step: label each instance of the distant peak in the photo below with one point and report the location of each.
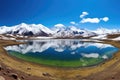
(23, 24)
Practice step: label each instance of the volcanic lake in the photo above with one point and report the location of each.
(68, 53)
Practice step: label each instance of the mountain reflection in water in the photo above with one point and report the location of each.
(63, 51)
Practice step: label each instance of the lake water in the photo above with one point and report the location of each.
(62, 53)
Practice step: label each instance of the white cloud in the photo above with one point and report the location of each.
(91, 55)
(72, 22)
(84, 14)
(105, 19)
(59, 25)
(94, 20)
(90, 20)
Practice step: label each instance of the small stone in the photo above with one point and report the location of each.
(8, 68)
(15, 76)
(8, 71)
(116, 58)
(2, 78)
(29, 74)
(22, 77)
(103, 62)
(78, 76)
(28, 68)
(4, 73)
(46, 74)
(3, 58)
(113, 77)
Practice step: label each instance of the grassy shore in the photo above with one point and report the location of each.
(106, 71)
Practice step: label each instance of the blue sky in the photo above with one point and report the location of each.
(51, 12)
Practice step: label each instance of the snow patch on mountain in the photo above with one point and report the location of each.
(102, 36)
(116, 39)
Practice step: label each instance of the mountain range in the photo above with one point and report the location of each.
(57, 31)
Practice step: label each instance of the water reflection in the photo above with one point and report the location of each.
(57, 45)
(62, 52)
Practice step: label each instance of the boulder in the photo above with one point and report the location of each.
(14, 75)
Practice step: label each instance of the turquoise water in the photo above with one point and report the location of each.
(62, 53)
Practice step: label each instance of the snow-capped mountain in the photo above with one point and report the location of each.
(40, 30)
(26, 30)
(102, 31)
(72, 31)
(59, 31)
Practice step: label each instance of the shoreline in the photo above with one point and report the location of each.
(59, 74)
